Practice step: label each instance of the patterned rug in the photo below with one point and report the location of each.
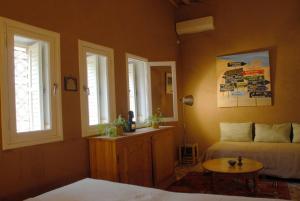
(197, 182)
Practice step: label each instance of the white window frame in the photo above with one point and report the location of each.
(83, 48)
(10, 138)
(148, 98)
(172, 65)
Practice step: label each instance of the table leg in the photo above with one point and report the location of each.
(255, 184)
(212, 182)
(275, 186)
(248, 183)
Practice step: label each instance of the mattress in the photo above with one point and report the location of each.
(279, 159)
(99, 190)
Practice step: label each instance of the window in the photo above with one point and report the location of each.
(31, 76)
(97, 86)
(138, 88)
(30, 95)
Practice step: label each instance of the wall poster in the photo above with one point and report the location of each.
(244, 80)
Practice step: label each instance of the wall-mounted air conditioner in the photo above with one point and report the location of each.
(195, 25)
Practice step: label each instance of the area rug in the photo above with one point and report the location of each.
(196, 182)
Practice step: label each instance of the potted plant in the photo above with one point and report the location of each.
(155, 119)
(120, 124)
(102, 128)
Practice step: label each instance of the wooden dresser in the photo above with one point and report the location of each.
(144, 157)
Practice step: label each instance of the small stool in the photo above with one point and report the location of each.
(188, 154)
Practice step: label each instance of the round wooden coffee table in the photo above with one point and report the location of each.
(248, 170)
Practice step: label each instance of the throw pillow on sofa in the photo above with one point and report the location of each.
(296, 133)
(272, 132)
(236, 132)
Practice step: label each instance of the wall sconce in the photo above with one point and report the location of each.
(187, 100)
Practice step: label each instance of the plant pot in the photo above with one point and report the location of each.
(155, 125)
(119, 130)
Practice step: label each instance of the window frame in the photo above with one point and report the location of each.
(83, 48)
(10, 138)
(172, 65)
(147, 81)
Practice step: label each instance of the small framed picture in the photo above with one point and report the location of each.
(70, 83)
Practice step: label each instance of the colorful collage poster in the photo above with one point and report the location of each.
(244, 80)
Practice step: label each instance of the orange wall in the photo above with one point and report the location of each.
(141, 27)
(240, 26)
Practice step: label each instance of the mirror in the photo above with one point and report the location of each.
(164, 89)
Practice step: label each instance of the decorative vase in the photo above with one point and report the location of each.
(240, 163)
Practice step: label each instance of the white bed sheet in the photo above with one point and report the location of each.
(99, 190)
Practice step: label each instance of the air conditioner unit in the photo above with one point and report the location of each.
(195, 25)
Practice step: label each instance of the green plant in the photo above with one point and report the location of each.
(120, 121)
(113, 129)
(102, 128)
(156, 118)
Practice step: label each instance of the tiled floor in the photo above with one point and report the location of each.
(181, 171)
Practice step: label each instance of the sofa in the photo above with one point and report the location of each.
(276, 146)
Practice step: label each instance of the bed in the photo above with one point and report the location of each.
(279, 159)
(100, 190)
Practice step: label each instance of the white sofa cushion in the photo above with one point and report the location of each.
(272, 132)
(236, 132)
(296, 132)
